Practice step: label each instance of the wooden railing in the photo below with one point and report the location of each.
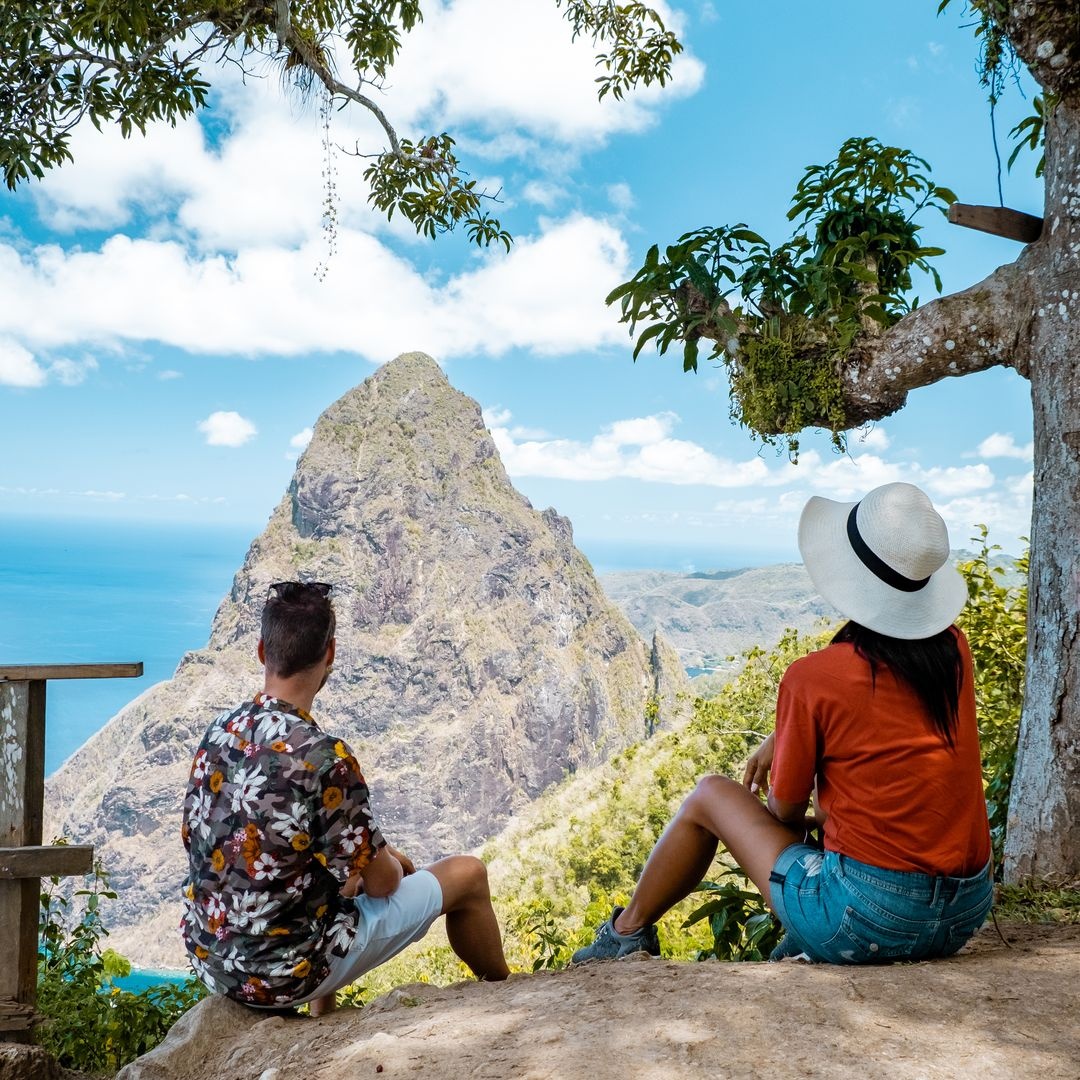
(23, 858)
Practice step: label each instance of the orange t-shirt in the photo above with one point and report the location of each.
(897, 796)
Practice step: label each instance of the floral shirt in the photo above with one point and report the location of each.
(276, 817)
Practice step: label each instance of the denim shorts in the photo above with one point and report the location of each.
(840, 911)
(387, 925)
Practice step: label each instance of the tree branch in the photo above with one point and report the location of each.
(318, 66)
(985, 326)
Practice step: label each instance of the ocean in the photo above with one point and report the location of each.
(81, 591)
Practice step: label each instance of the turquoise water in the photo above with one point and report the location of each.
(142, 979)
(89, 591)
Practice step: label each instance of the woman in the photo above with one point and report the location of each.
(881, 724)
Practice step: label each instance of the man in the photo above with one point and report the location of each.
(292, 892)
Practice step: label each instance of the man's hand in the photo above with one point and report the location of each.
(355, 883)
(382, 875)
(407, 865)
(756, 774)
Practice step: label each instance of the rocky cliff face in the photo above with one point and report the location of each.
(478, 660)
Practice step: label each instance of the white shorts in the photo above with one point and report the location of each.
(387, 925)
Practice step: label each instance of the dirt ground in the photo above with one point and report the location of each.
(989, 1012)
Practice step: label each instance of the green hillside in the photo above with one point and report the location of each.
(557, 868)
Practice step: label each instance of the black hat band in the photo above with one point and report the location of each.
(877, 566)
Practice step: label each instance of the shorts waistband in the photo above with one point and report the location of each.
(911, 882)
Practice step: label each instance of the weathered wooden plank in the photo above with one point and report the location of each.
(22, 796)
(22, 763)
(46, 860)
(37, 672)
(19, 903)
(15, 1016)
(999, 220)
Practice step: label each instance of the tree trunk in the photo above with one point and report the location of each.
(1044, 810)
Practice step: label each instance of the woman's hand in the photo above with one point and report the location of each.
(756, 774)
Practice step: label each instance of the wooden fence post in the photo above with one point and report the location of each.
(23, 859)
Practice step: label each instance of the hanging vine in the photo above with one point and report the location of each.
(330, 190)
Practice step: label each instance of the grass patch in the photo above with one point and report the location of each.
(1040, 902)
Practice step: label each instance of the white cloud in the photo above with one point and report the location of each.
(546, 89)
(844, 478)
(266, 300)
(1007, 515)
(871, 438)
(218, 255)
(301, 439)
(28, 491)
(543, 193)
(956, 480)
(903, 112)
(112, 175)
(851, 476)
(227, 429)
(643, 431)
(72, 372)
(621, 197)
(1022, 485)
(498, 417)
(639, 448)
(1001, 445)
(169, 374)
(183, 497)
(18, 366)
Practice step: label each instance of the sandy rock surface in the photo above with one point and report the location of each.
(991, 1011)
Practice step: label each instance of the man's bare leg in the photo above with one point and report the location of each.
(471, 925)
(320, 1006)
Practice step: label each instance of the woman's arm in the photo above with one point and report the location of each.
(790, 813)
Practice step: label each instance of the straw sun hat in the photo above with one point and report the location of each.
(883, 562)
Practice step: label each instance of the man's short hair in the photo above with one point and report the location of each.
(298, 623)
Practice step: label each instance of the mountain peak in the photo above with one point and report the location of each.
(415, 367)
(478, 661)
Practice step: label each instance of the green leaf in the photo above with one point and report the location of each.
(653, 331)
(690, 354)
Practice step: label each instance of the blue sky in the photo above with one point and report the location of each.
(165, 343)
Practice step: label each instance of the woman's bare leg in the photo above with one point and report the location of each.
(471, 925)
(718, 810)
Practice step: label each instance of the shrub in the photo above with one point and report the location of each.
(995, 622)
(95, 1026)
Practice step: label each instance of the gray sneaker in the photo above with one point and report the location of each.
(609, 944)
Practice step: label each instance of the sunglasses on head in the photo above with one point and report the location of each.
(291, 591)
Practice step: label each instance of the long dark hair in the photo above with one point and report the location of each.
(931, 667)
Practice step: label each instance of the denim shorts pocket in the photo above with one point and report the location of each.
(862, 940)
(963, 928)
